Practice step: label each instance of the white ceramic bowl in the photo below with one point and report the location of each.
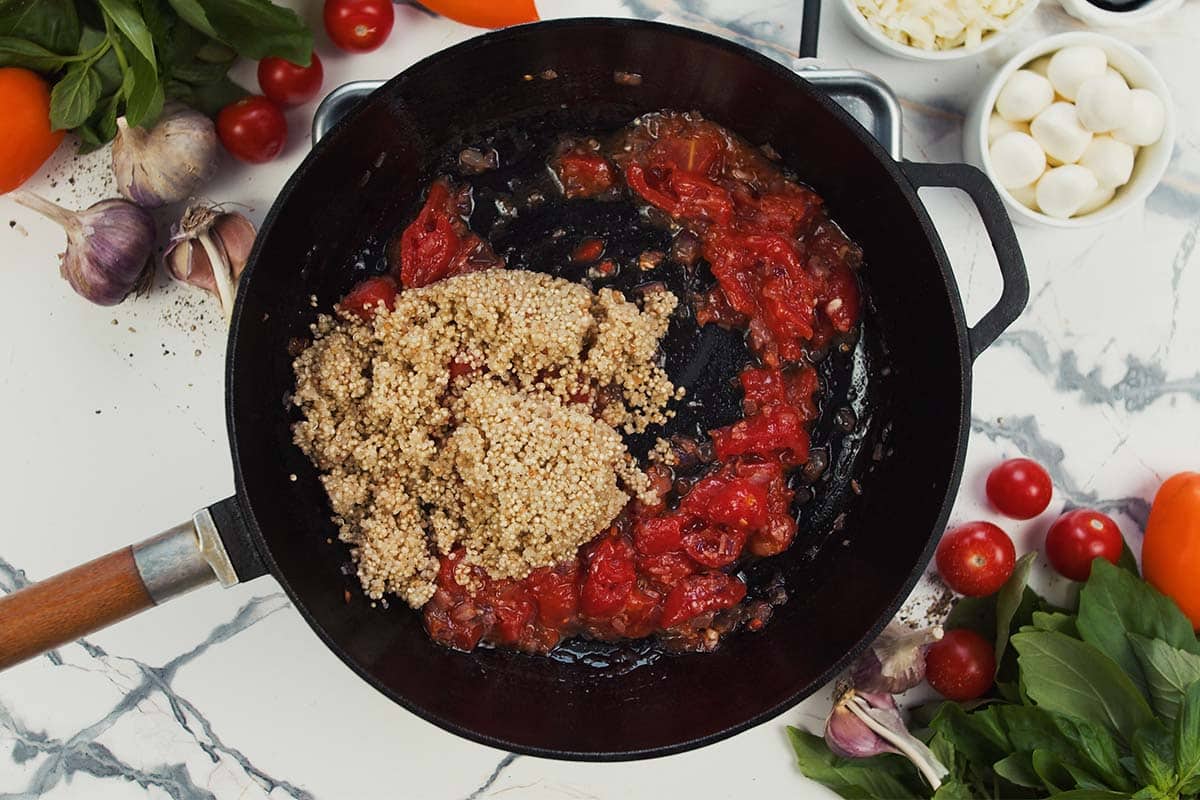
(874, 37)
(1094, 15)
(1151, 161)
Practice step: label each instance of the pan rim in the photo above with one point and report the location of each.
(910, 196)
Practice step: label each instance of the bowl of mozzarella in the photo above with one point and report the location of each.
(1074, 130)
(935, 30)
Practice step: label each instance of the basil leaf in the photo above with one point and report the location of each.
(1128, 561)
(1018, 769)
(979, 736)
(258, 28)
(1154, 750)
(16, 52)
(74, 97)
(144, 97)
(1008, 599)
(953, 790)
(210, 98)
(1055, 621)
(1187, 741)
(197, 71)
(874, 778)
(1096, 750)
(1090, 794)
(974, 613)
(1114, 603)
(128, 19)
(1071, 677)
(1168, 672)
(1049, 768)
(52, 24)
(193, 14)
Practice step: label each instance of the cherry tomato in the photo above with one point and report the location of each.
(1019, 488)
(610, 577)
(26, 140)
(287, 84)
(976, 559)
(696, 594)
(1077, 538)
(359, 26)
(485, 13)
(252, 129)
(960, 666)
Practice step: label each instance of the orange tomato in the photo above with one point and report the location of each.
(26, 140)
(485, 13)
(1171, 548)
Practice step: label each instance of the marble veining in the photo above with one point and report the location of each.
(229, 695)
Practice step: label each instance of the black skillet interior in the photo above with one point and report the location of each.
(906, 376)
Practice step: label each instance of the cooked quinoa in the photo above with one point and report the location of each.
(502, 459)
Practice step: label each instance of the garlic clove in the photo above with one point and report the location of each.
(895, 662)
(848, 736)
(209, 250)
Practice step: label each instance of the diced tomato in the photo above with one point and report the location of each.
(456, 623)
(697, 151)
(514, 608)
(698, 594)
(784, 211)
(774, 537)
(556, 591)
(763, 388)
(657, 535)
(740, 505)
(683, 195)
(713, 546)
(667, 569)
(365, 298)
(840, 301)
(639, 616)
(430, 242)
(610, 577)
(776, 434)
(583, 174)
(588, 250)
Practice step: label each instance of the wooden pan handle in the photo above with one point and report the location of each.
(72, 604)
(87, 598)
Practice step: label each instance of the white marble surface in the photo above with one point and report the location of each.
(113, 428)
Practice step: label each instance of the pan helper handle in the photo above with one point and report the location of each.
(61, 609)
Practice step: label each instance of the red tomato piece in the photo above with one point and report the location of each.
(639, 617)
(1079, 537)
(976, 559)
(588, 250)
(699, 594)
(683, 195)
(583, 174)
(712, 546)
(610, 577)
(961, 665)
(776, 434)
(459, 625)
(366, 297)
(697, 151)
(667, 569)
(430, 242)
(740, 505)
(556, 591)
(657, 535)
(514, 608)
(765, 387)
(774, 537)
(1019, 488)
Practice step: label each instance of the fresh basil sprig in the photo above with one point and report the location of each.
(108, 58)
(1096, 702)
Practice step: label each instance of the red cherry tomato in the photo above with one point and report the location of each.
(976, 559)
(1019, 488)
(252, 129)
(287, 84)
(960, 666)
(1077, 538)
(359, 26)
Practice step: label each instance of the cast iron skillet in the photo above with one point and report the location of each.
(906, 378)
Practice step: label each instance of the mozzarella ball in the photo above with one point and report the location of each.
(1025, 95)
(1025, 195)
(1071, 66)
(1097, 200)
(1058, 131)
(1062, 191)
(1103, 103)
(1146, 119)
(1017, 159)
(1109, 160)
(1039, 65)
(998, 126)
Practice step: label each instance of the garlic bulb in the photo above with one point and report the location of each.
(209, 249)
(167, 163)
(895, 662)
(108, 246)
(863, 724)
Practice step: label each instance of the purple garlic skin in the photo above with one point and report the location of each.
(108, 246)
(895, 662)
(848, 736)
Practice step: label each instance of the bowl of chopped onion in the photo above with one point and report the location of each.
(935, 30)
